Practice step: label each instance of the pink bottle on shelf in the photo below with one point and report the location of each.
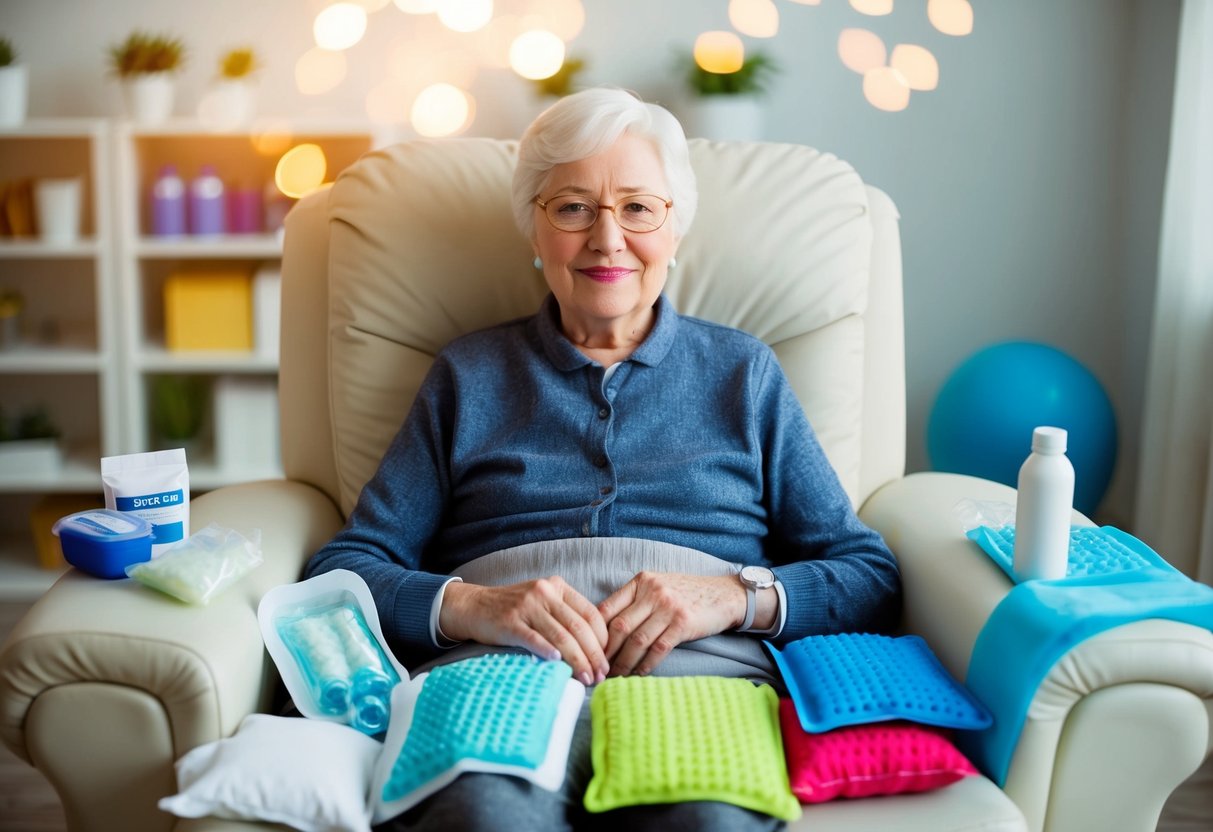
(245, 211)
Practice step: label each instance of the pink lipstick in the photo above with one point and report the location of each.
(605, 274)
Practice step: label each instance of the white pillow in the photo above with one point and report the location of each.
(309, 774)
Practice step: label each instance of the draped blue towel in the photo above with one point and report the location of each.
(1112, 579)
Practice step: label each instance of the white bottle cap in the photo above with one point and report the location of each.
(1048, 440)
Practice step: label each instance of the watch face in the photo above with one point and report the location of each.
(758, 577)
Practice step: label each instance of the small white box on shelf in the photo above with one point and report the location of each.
(246, 424)
(267, 292)
(30, 456)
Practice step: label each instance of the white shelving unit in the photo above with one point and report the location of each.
(95, 313)
(67, 357)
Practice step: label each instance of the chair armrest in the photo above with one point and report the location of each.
(1160, 670)
(191, 672)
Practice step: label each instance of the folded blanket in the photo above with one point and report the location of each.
(596, 567)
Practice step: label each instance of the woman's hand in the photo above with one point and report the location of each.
(546, 616)
(654, 612)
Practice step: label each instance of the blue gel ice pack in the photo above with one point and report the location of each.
(1112, 579)
(1094, 551)
(859, 678)
(498, 709)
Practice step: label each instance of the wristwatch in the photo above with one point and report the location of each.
(753, 578)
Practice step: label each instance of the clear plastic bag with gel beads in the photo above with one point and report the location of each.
(325, 639)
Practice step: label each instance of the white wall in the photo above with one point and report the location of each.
(1029, 182)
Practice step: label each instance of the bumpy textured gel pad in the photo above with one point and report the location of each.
(865, 760)
(857, 678)
(673, 739)
(1093, 551)
(497, 708)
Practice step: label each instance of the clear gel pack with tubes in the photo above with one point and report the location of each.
(324, 636)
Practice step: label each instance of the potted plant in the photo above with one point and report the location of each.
(561, 83)
(726, 105)
(179, 406)
(14, 86)
(145, 65)
(232, 101)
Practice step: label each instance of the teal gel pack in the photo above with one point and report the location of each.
(325, 639)
(507, 713)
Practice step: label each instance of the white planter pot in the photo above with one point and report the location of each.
(229, 104)
(57, 204)
(14, 94)
(725, 118)
(30, 456)
(149, 98)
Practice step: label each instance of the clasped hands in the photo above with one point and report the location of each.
(629, 633)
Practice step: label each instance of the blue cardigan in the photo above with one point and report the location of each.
(696, 440)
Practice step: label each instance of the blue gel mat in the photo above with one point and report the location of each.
(1093, 551)
(1112, 579)
(497, 708)
(858, 678)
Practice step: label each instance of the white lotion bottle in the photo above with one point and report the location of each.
(1042, 508)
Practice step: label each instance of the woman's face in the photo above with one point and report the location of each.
(605, 276)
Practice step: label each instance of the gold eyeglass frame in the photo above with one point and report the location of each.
(669, 203)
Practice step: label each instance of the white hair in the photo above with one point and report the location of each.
(587, 123)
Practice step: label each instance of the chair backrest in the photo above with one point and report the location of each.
(415, 244)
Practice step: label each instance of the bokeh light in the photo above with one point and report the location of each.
(952, 17)
(564, 18)
(271, 136)
(370, 6)
(886, 89)
(300, 170)
(416, 6)
(719, 52)
(339, 26)
(808, 2)
(756, 18)
(441, 110)
(917, 64)
(537, 54)
(875, 8)
(464, 15)
(861, 50)
(318, 71)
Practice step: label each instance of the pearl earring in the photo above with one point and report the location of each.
(538, 264)
(673, 262)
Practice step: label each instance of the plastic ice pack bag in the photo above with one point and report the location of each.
(325, 639)
(198, 568)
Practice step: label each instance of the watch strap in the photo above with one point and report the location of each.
(751, 606)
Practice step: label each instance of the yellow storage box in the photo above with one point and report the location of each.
(209, 311)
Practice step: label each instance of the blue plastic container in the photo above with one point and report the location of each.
(103, 542)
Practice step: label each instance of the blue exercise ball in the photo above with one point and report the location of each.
(985, 413)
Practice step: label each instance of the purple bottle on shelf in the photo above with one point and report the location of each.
(208, 205)
(168, 203)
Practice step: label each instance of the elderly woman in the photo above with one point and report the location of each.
(607, 416)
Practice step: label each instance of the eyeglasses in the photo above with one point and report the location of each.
(639, 213)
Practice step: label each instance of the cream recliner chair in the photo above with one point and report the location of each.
(105, 684)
